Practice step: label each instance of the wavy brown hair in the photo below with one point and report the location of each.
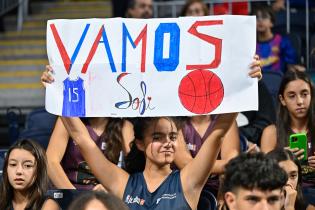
(37, 190)
(114, 139)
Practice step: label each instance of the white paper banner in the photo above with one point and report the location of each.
(151, 67)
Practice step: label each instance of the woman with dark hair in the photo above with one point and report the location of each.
(293, 189)
(25, 181)
(157, 186)
(296, 115)
(296, 107)
(97, 200)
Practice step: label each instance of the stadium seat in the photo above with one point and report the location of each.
(297, 45)
(272, 81)
(206, 195)
(38, 126)
(64, 197)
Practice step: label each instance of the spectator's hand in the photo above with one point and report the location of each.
(297, 152)
(255, 68)
(46, 76)
(252, 148)
(311, 161)
(296, 67)
(99, 188)
(290, 197)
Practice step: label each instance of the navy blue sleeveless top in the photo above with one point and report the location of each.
(168, 196)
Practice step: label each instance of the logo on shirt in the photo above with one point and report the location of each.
(191, 147)
(130, 199)
(166, 196)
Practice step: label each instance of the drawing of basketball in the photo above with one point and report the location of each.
(201, 91)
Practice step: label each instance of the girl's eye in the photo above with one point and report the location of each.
(293, 176)
(291, 96)
(305, 94)
(28, 166)
(12, 164)
(173, 137)
(156, 137)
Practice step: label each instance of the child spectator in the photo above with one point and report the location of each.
(276, 52)
(157, 186)
(25, 181)
(293, 189)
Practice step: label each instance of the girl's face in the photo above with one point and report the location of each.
(21, 169)
(297, 98)
(292, 170)
(160, 142)
(195, 9)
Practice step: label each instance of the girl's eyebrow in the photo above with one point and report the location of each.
(28, 161)
(24, 161)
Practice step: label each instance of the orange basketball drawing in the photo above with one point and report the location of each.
(201, 91)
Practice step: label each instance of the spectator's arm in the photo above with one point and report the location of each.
(113, 178)
(55, 152)
(230, 149)
(195, 174)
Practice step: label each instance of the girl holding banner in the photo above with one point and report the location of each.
(157, 187)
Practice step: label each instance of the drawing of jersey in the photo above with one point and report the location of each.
(73, 98)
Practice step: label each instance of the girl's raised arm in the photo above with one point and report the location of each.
(113, 178)
(195, 174)
(55, 152)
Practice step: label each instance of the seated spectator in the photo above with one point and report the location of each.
(97, 200)
(25, 179)
(296, 115)
(276, 52)
(195, 8)
(293, 189)
(139, 9)
(253, 181)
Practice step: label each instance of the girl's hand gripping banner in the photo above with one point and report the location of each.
(152, 67)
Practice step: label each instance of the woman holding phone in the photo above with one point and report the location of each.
(296, 115)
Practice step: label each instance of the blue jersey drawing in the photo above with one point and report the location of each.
(73, 98)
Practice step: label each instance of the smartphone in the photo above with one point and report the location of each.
(299, 140)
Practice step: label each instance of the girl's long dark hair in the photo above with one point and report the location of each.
(38, 189)
(283, 118)
(282, 155)
(112, 136)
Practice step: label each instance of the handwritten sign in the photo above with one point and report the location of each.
(154, 67)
